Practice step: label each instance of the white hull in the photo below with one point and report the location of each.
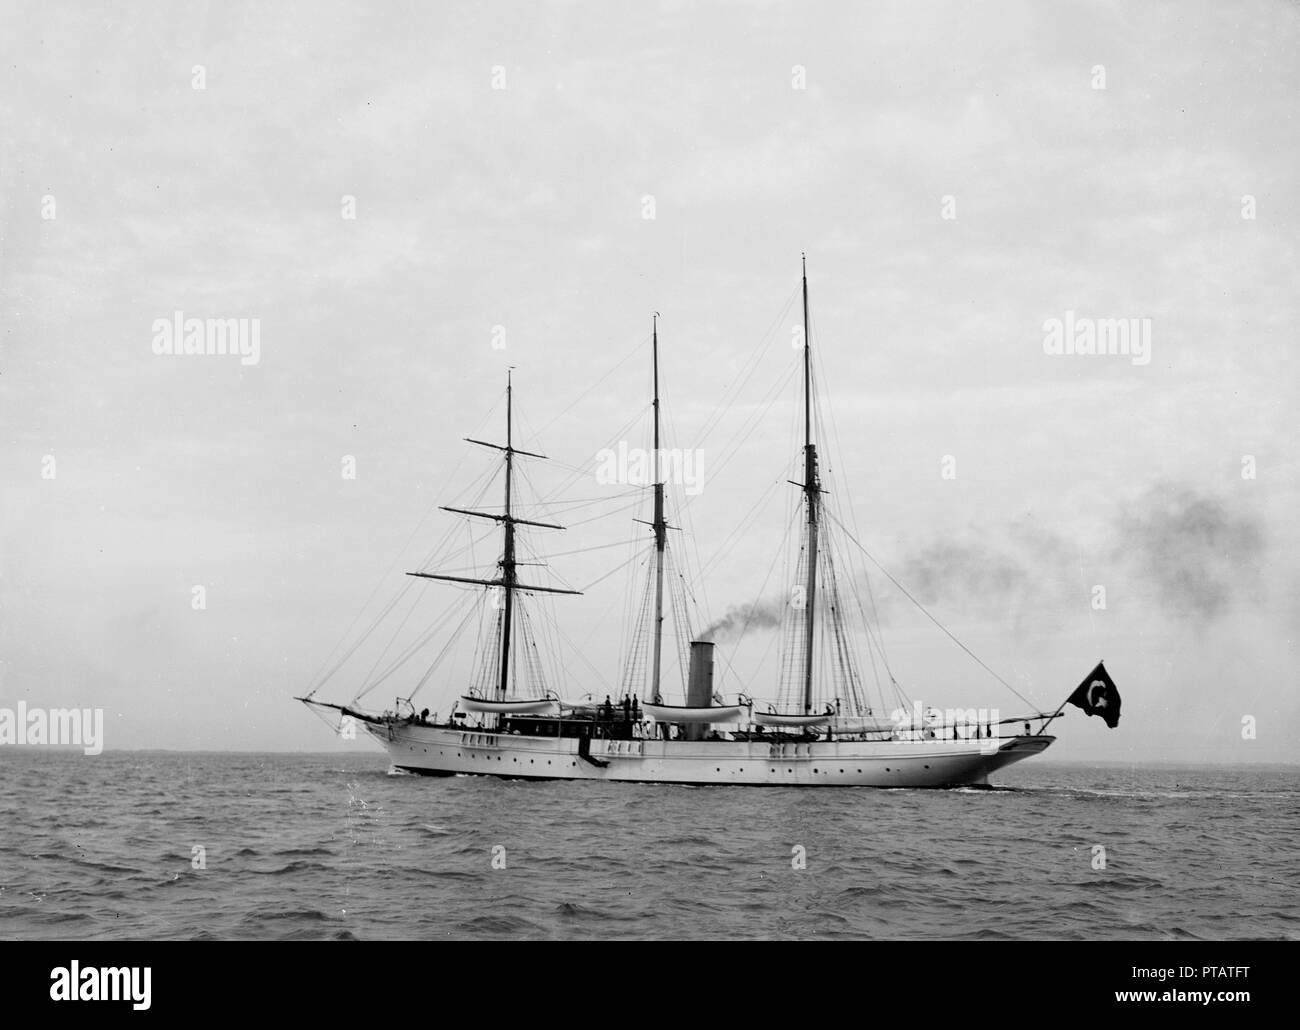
(442, 751)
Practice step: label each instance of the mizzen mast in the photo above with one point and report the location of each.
(660, 531)
(812, 494)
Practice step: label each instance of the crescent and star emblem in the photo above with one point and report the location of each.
(1097, 694)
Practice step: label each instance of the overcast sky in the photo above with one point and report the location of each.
(959, 175)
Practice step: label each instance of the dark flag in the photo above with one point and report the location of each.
(1097, 695)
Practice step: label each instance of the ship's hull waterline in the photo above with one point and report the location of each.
(442, 751)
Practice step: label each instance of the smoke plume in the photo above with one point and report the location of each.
(1189, 551)
(1199, 553)
(759, 615)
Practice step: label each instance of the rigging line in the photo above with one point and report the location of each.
(600, 677)
(684, 642)
(927, 614)
(475, 660)
(755, 512)
(763, 588)
(751, 363)
(634, 494)
(793, 642)
(455, 635)
(875, 670)
(467, 548)
(639, 645)
(687, 597)
(586, 470)
(606, 514)
(328, 720)
(681, 627)
(825, 416)
(584, 550)
(624, 360)
(563, 511)
(549, 654)
(560, 664)
(852, 653)
(576, 502)
(433, 554)
(687, 521)
(762, 406)
(409, 612)
(879, 631)
(383, 614)
(627, 627)
(747, 428)
(607, 611)
(617, 568)
(389, 570)
(875, 638)
(409, 652)
(414, 647)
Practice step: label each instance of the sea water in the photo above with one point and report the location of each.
(173, 845)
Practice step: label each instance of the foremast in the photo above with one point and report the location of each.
(508, 578)
(508, 581)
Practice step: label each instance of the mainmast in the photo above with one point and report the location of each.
(660, 529)
(508, 580)
(812, 492)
